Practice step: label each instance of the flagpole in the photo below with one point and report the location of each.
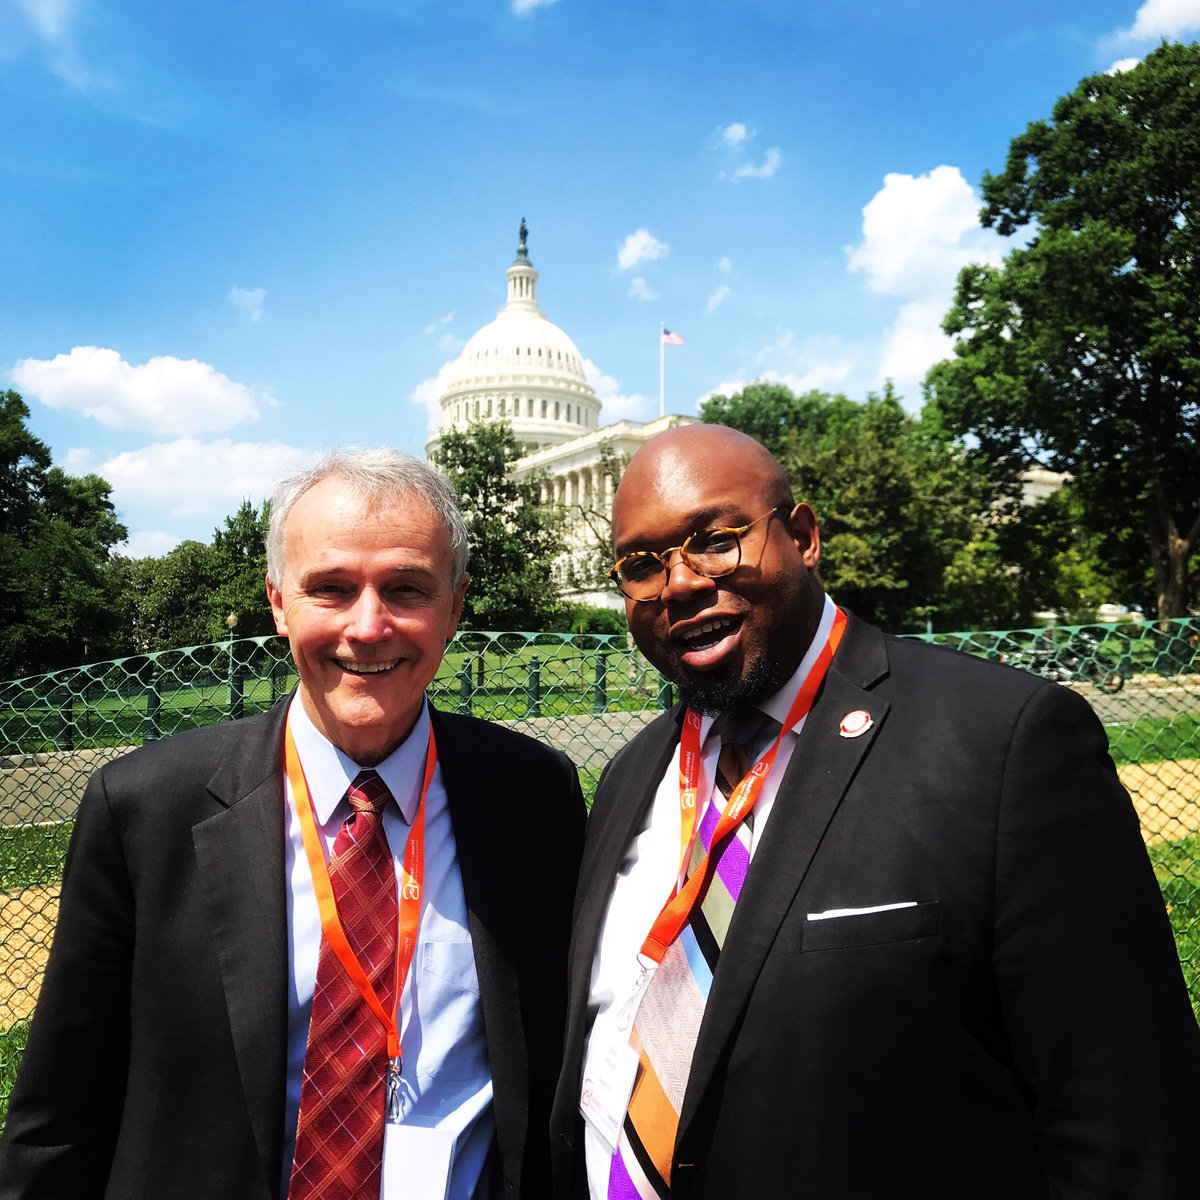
(662, 393)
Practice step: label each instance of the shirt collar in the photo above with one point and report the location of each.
(329, 771)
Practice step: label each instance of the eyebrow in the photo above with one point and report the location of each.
(702, 518)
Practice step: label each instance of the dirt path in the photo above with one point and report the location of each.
(26, 923)
(1166, 796)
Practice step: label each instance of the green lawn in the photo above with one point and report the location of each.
(1177, 865)
(1154, 739)
(32, 855)
(12, 1046)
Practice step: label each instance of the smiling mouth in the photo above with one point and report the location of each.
(700, 637)
(353, 667)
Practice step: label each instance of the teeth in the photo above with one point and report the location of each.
(368, 668)
(707, 627)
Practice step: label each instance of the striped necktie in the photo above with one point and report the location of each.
(339, 1136)
(668, 1019)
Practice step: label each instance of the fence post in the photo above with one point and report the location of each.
(464, 688)
(237, 693)
(151, 731)
(533, 693)
(600, 698)
(665, 695)
(65, 738)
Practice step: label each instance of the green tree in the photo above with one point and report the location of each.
(238, 563)
(769, 412)
(513, 539)
(171, 601)
(1082, 352)
(56, 532)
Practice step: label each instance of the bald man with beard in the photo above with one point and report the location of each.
(918, 952)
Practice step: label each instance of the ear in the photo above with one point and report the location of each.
(275, 596)
(802, 522)
(456, 606)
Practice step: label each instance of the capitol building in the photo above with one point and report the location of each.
(522, 368)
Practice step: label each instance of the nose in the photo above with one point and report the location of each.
(682, 581)
(370, 619)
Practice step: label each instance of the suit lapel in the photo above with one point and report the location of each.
(240, 855)
(821, 769)
(484, 837)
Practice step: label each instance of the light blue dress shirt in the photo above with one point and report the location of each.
(446, 1082)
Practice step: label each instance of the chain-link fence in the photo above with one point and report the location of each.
(586, 695)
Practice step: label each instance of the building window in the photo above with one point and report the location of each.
(544, 410)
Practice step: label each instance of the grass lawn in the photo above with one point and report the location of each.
(32, 855)
(1153, 739)
(1177, 865)
(12, 1046)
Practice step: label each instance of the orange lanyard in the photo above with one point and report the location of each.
(413, 874)
(678, 909)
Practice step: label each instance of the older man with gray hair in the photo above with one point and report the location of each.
(306, 954)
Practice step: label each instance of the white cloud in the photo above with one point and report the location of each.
(443, 320)
(1157, 19)
(639, 289)
(618, 406)
(764, 170)
(165, 395)
(913, 343)
(188, 477)
(640, 246)
(428, 394)
(52, 21)
(734, 134)
(450, 343)
(247, 300)
(824, 376)
(918, 233)
(148, 543)
(716, 299)
(725, 263)
(1122, 65)
(523, 8)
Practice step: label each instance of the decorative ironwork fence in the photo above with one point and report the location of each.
(586, 694)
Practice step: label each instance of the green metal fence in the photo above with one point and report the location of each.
(585, 694)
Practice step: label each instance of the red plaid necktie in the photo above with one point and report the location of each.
(339, 1137)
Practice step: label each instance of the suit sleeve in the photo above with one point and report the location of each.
(1101, 1030)
(66, 1105)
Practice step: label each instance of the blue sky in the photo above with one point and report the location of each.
(233, 235)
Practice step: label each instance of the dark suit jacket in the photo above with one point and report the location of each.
(155, 1063)
(1022, 1033)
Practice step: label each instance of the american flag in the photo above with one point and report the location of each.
(672, 339)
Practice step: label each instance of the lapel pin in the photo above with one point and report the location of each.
(855, 723)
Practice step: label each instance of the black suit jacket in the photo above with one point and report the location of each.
(155, 1063)
(1022, 1032)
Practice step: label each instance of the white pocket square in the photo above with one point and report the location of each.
(859, 912)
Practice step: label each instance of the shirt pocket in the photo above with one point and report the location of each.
(858, 930)
(453, 1046)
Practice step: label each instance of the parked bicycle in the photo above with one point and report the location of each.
(1077, 660)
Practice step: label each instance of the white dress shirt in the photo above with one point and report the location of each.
(446, 1082)
(651, 868)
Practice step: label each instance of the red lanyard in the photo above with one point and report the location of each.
(678, 909)
(413, 875)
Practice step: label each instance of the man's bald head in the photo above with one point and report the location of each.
(678, 457)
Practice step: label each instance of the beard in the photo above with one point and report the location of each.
(715, 694)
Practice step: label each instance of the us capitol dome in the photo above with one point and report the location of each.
(523, 369)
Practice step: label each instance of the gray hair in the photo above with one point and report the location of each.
(380, 476)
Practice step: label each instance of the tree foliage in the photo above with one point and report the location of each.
(513, 539)
(913, 530)
(1082, 352)
(56, 531)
